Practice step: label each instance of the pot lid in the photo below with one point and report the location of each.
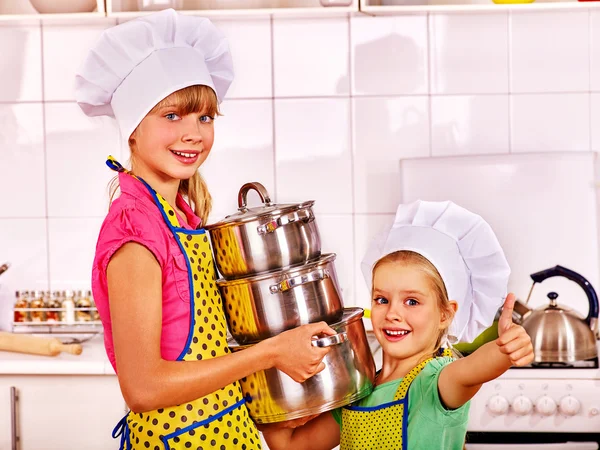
(267, 209)
(282, 273)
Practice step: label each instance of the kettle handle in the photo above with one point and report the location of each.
(560, 271)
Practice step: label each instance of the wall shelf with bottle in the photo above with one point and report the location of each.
(234, 8)
(59, 312)
(26, 10)
(396, 7)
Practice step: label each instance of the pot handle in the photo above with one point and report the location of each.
(290, 283)
(260, 190)
(330, 341)
(560, 271)
(304, 214)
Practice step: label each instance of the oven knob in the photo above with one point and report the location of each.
(569, 405)
(522, 405)
(498, 404)
(545, 406)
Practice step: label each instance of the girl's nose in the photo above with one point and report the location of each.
(394, 313)
(192, 133)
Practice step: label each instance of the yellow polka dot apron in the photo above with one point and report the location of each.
(380, 427)
(218, 420)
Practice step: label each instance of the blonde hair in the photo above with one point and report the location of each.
(192, 99)
(409, 258)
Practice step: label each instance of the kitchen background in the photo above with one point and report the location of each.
(493, 110)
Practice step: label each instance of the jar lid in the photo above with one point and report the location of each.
(268, 209)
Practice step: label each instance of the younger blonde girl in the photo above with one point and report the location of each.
(436, 259)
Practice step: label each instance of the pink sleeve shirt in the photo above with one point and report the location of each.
(134, 217)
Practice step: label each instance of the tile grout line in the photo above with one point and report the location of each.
(429, 30)
(509, 67)
(273, 120)
(45, 147)
(352, 149)
(590, 111)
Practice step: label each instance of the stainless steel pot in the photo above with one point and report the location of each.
(264, 305)
(348, 376)
(260, 239)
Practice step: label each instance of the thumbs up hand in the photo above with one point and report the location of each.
(513, 340)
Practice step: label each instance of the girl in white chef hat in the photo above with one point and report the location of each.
(438, 275)
(162, 77)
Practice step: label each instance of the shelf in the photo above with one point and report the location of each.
(23, 11)
(57, 327)
(377, 9)
(239, 8)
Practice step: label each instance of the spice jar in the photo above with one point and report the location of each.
(38, 303)
(83, 306)
(21, 301)
(68, 306)
(95, 314)
(54, 305)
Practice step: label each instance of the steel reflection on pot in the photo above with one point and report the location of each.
(265, 238)
(263, 306)
(348, 376)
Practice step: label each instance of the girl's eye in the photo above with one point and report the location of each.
(206, 119)
(411, 302)
(171, 116)
(380, 300)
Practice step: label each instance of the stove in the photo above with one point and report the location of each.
(561, 402)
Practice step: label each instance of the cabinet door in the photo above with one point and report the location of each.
(5, 416)
(64, 412)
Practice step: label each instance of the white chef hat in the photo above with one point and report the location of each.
(133, 66)
(464, 250)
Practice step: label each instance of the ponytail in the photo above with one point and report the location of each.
(199, 198)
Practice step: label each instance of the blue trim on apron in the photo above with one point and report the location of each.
(174, 231)
(193, 426)
(122, 429)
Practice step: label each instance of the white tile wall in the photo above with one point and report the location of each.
(389, 55)
(386, 129)
(321, 109)
(469, 53)
(310, 58)
(22, 160)
(547, 122)
(65, 46)
(469, 124)
(21, 63)
(549, 52)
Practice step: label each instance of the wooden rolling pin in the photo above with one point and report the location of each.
(34, 345)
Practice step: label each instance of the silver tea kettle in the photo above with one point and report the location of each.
(558, 334)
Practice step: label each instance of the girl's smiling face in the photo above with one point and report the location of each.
(175, 138)
(405, 311)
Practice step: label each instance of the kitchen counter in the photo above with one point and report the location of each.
(92, 361)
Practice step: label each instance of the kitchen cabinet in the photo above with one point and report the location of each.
(238, 8)
(23, 11)
(61, 411)
(127, 9)
(398, 7)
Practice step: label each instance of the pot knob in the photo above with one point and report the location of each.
(553, 296)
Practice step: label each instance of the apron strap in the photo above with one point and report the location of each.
(115, 165)
(166, 210)
(122, 429)
(402, 390)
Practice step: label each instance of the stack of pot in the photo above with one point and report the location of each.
(275, 278)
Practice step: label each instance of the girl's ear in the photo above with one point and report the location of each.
(448, 314)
